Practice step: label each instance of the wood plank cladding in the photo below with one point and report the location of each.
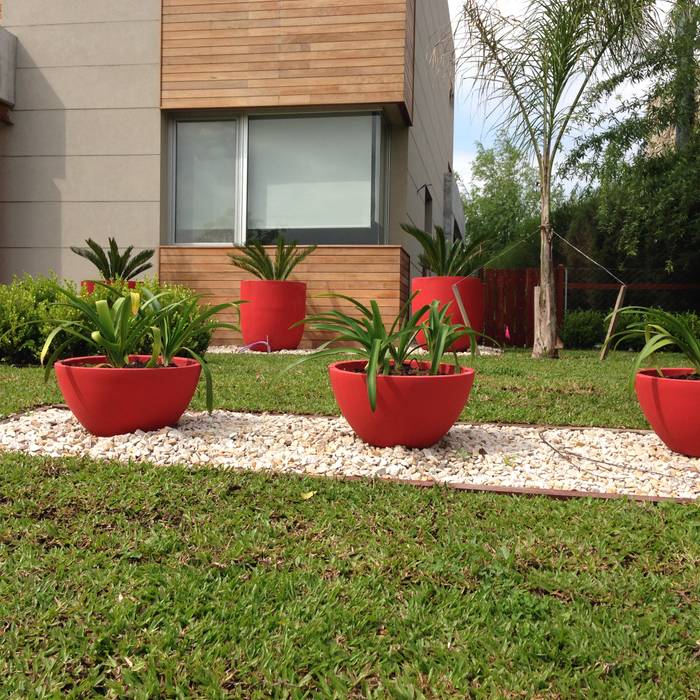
(364, 272)
(299, 53)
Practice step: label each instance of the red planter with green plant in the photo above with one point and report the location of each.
(452, 263)
(669, 397)
(273, 307)
(138, 398)
(388, 397)
(414, 411)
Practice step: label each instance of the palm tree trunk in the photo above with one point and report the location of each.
(545, 344)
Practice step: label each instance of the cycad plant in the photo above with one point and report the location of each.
(450, 258)
(387, 351)
(659, 330)
(252, 257)
(112, 264)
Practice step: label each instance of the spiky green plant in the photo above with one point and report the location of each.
(386, 351)
(660, 330)
(450, 258)
(115, 328)
(113, 265)
(252, 257)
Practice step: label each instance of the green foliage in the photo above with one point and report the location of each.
(659, 330)
(501, 203)
(386, 351)
(583, 329)
(113, 265)
(252, 257)
(456, 258)
(29, 310)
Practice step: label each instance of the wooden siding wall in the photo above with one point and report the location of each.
(269, 53)
(364, 272)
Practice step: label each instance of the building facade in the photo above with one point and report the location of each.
(190, 125)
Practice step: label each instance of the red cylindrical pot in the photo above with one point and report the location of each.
(414, 411)
(672, 407)
(89, 285)
(270, 310)
(110, 401)
(471, 291)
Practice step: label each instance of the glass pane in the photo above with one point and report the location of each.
(310, 173)
(205, 209)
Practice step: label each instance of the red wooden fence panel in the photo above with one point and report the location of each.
(510, 303)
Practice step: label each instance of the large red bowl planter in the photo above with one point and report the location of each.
(471, 290)
(110, 401)
(89, 285)
(672, 407)
(270, 312)
(414, 411)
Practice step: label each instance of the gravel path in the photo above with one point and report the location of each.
(245, 350)
(576, 459)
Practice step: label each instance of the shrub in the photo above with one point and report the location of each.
(583, 329)
(29, 310)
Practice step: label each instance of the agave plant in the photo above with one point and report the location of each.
(659, 330)
(386, 351)
(450, 258)
(112, 264)
(252, 257)
(177, 323)
(115, 329)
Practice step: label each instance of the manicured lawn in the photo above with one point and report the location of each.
(130, 580)
(575, 390)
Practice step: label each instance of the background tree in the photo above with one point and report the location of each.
(536, 68)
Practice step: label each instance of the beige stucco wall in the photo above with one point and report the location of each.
(422, 153)
(83, 156)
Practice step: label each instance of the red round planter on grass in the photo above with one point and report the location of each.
(270, 310)
(471, 291)
(110, 401)
(414, 411)
(672, 407)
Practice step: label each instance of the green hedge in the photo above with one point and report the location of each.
(30, 308)
(585, 329)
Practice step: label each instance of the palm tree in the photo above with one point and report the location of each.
(535, 69)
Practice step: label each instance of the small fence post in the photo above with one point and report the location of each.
(613, 321)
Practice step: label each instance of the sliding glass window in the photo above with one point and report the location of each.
(312, 178)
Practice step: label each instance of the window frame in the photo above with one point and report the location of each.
(380, 168)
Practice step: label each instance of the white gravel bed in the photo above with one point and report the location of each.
(242, 349)
(570, 459)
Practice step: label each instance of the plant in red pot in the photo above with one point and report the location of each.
(115, 390)
(113, 265)
(387, 395)
(452, 263)
(273, 305)
(669, 396)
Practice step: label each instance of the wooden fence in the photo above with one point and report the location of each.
(510, 303)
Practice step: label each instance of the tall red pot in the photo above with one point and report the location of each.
(110, 401)
(671, 407)
(89, 285)
(272, 307)
(414, 411)
(471, 291)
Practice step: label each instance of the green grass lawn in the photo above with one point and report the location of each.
(138, 581)
(514, 388)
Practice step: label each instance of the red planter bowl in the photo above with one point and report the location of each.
(471, 290)
(672, 407)
(109, 401)
(411, 411)
(271, 308)
(89, 285)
